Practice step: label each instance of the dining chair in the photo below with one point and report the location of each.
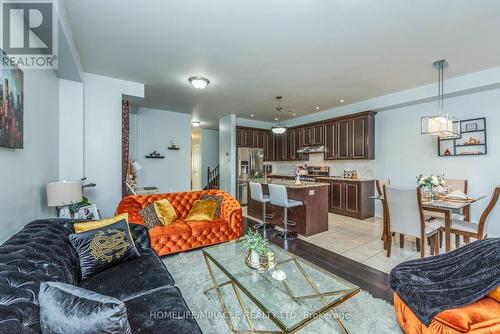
(406, 216)
(464, 214)
(469, 229)
(380, 185)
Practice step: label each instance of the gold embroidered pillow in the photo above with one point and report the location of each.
(103, 247)
(202, 210)
(165, 211)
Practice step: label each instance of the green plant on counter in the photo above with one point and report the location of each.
(254, 241)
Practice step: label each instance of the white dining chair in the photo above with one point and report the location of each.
(405, 216)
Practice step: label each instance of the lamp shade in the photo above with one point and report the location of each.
(64, 193)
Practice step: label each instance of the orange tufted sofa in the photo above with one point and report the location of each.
(481, 317)
(181, 235)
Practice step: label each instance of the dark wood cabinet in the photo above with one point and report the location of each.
(351, 198)
(344, 138)
(336, 197)
(258, 139)
(247, 137)
(351, 138)
(344, 135)
(331, 141)
(313, 135)
(268, 146)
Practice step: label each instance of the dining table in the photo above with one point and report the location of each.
(442, 205)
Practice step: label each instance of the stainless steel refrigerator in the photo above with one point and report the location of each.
(250, 164)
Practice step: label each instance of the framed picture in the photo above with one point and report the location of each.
(11, 107)
(471, 127)
(88, 212)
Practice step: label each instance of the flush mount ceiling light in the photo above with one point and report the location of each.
(443, 125)
(278, 128)
(195, 124)
(199, 82)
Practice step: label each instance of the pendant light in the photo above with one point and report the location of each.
(278, 129)
(443, 125)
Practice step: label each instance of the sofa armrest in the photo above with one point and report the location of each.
(141, 235)
(231, 212)
(131, 206)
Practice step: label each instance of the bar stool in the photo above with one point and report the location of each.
(257, 195)
(279, 197)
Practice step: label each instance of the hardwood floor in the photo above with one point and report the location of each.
(367, 278)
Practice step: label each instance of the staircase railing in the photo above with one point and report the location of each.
(213, 178)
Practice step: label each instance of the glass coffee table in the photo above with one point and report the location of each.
(305, 295)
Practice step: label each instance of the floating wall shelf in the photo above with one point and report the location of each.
(472, 136)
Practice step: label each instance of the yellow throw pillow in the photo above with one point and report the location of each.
(165, 211)
(202, 210)
(495, 294)
(94, 224)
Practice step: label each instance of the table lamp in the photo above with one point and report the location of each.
(63, 193)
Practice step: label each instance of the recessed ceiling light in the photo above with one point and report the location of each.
(341, 101)
(195, 124)
(252, 115)
(317, 108)
(199, 82)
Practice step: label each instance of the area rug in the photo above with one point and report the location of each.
(360, 314)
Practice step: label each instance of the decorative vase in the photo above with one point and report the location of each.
(261, 262)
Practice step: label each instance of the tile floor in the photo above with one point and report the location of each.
(360, 240)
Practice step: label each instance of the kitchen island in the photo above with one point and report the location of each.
(310, 218)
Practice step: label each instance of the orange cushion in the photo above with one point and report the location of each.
(495, 294)
(481, 317)
(483, 313)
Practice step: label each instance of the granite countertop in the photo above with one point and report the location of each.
(359, 179)
(291, 183)
(328, 178)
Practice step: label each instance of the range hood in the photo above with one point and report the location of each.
(312, 149)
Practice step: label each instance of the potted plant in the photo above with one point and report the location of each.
(259, 255)
(429, 183)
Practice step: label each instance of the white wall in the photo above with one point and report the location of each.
(24, 173)
(156, 129)
(402, 152)
(227, 153)
(102, 137)
(209, 152)
(70, 130)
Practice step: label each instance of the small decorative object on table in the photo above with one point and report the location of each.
(88, 212)
(172, 145)
(429, 183)
(259, 255)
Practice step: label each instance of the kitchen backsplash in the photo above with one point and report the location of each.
(365, 168)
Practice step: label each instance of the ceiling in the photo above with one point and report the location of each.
(312, 52)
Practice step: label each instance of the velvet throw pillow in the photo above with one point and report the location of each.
(93, 224)
(165, 211)
(216, 198)
(149, 217)
(202, 210)
(103, 247)
(66, 308)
